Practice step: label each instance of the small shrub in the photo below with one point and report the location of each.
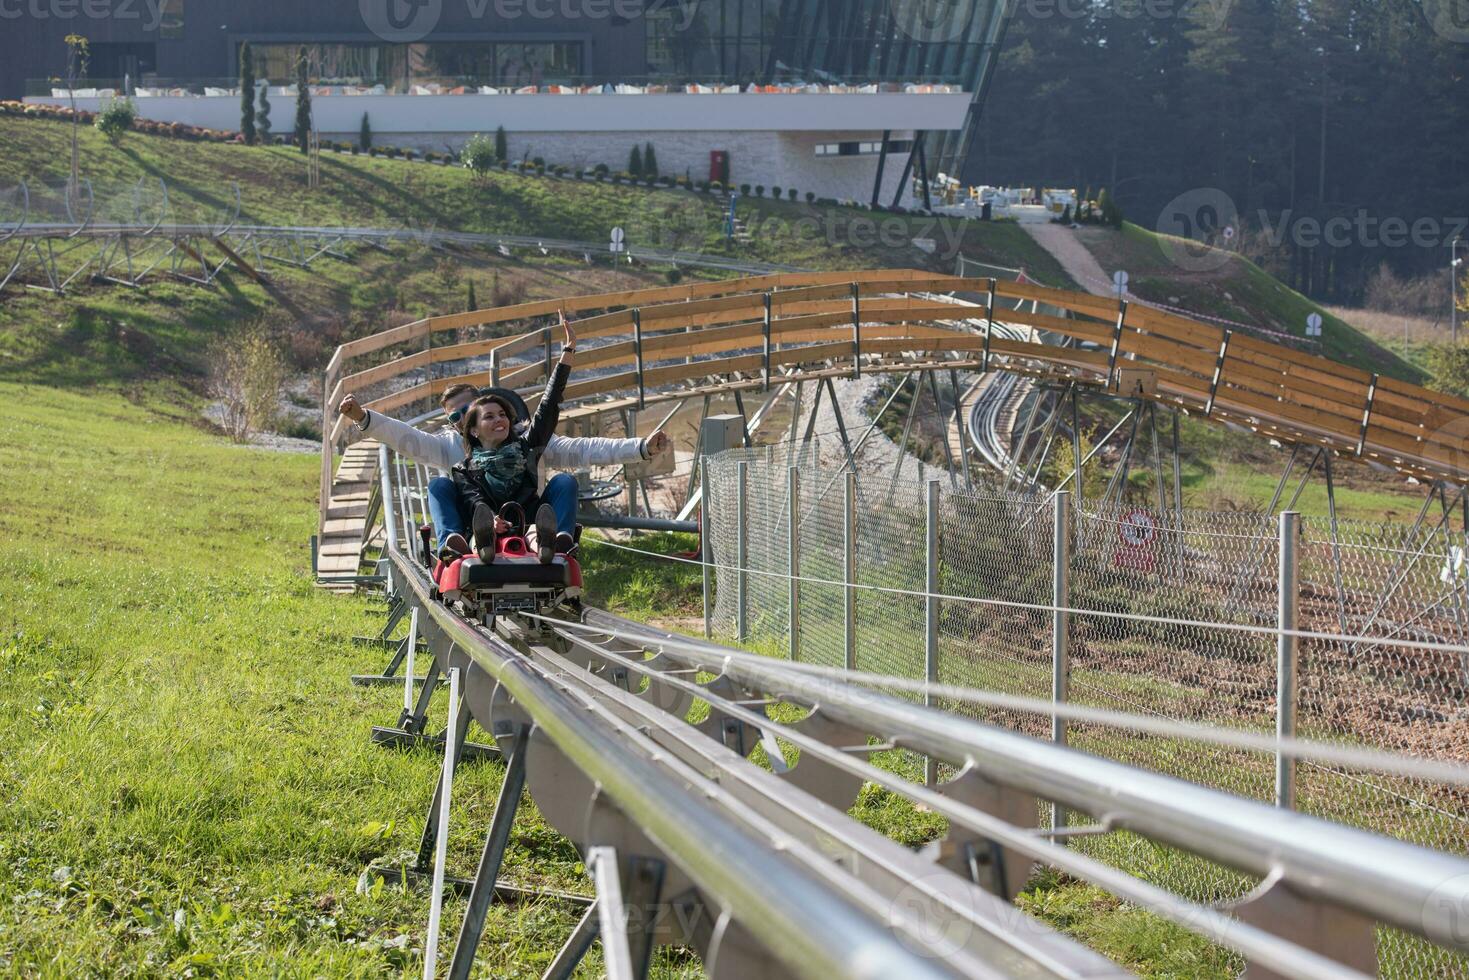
(509, 294)
(540, 162)
(246, 376)
(745, 189)
(759, 190)
(446, 271)
(716, 185)
(810, 197)
(775, 193)
(116, 118)
(674, 276)
(478, 155)
(791, 193)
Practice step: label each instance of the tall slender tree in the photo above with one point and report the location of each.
(262, 116)
(247, 93)
(303, 102)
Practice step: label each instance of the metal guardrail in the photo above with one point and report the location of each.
(758, 851)
(1391, 881)
(793, 883)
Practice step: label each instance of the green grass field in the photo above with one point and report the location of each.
(188, 786)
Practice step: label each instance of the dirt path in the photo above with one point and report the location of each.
(1074, 257)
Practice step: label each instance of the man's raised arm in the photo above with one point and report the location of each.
(435, 452)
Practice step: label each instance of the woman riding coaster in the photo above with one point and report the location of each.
(498, 472)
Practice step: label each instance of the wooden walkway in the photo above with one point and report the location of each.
(339, 552)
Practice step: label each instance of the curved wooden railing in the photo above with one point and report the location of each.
(739, 333)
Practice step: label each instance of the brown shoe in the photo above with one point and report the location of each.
(454, 547)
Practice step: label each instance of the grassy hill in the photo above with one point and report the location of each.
(1235, 289)
(113, 335)
(361, 190)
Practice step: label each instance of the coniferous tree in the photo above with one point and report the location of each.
(364, 135)
(247, 94)
(635, 162)
(303, 103)
(502, 145)
(262, 115)
(650, 162)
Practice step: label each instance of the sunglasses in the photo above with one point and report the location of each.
(457, 414)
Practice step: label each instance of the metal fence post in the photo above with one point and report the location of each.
(706, 549)
(849, 571)
(931, 613)
(793, 497)
(1060, 624)
(1287, 653)
(637, 349)
(742, 549)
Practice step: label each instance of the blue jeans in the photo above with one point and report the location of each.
(560, 493)
(451, 516)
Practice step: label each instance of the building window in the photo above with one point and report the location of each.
(399, 66)
(861, 148)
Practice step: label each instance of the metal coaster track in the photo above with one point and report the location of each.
(761, 870)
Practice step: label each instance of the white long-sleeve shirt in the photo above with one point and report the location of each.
(441, 450)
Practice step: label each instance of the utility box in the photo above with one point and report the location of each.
(721, 432)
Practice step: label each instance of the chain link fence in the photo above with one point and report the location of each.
(1181, 611)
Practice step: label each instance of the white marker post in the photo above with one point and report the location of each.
(1119, 279)
(441, 846)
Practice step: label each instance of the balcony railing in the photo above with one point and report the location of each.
(149, 87)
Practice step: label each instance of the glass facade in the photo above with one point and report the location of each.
(952, 42)
(947, 41)
(840, 42)
(400, 66)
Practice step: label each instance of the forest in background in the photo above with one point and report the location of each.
(1337, 130)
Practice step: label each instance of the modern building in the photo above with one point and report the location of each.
(841, 97)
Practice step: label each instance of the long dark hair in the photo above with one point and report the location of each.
(471, 420)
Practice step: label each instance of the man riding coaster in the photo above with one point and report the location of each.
(440, 451)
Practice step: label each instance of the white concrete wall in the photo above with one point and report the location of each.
(806, 112)
(774, 159)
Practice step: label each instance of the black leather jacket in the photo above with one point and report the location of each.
(470, 480)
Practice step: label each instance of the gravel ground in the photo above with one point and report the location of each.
(858, 399)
